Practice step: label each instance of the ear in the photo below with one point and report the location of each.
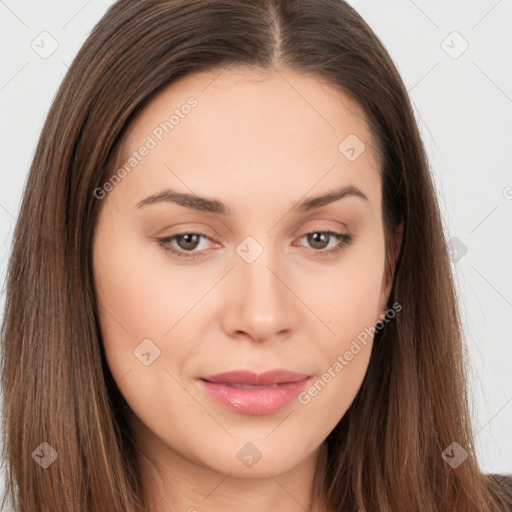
(389, 271)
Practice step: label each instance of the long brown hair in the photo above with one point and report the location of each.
(386, 452)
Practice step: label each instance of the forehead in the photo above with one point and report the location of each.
(267, 101)
(251, 127)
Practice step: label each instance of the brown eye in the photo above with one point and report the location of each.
(318, 240)
(183, 244)
(188, 241)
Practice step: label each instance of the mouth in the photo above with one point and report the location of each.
(249, 393)
(249, 378)
(247, 386)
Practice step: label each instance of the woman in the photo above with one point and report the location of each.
(304, 352)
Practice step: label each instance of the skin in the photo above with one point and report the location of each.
(260, 142)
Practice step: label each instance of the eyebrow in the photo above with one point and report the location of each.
(214, 206)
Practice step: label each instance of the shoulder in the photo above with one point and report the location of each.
(502, 485)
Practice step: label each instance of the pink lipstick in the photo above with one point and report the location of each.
(249, 393)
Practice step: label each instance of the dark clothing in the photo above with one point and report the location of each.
(504, 484)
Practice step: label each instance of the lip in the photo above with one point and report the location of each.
(275, 389)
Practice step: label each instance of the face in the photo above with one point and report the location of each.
(254, 277)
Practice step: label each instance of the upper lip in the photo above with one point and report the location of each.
(253, 379)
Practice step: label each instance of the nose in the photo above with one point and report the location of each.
(259, 303)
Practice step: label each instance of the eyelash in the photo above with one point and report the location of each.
(345, 239)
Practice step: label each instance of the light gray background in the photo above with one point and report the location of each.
(463, 105)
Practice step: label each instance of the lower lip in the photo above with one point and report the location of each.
(255, 401)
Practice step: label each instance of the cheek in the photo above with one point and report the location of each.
(347, 296)
(331, 393)
(343, 356)
(139, 287)
(139, 300)
(140, 313)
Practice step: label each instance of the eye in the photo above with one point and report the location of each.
(318, 240)
(187, 243)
